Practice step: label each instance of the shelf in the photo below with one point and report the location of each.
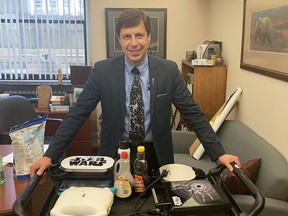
(208, 85)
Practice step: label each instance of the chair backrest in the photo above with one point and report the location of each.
(14, 110)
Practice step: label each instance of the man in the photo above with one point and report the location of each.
(110, 82)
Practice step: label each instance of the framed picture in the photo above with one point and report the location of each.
(157, 45)
(264, 38)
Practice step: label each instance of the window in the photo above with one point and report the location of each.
(37, 37)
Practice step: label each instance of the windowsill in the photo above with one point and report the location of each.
(27, 88)
(29, 82)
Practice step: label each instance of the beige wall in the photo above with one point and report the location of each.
(263, 104)
(184, 30)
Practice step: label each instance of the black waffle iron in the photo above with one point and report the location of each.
(206, 195)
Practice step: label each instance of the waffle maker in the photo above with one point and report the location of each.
(96, 171)
(204, 195)
(77, 184)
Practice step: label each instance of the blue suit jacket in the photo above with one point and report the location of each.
(107, 84)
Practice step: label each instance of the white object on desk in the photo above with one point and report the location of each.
(57, 108)
(178, 172)
(9, 158)
(4, 95)
(83, 201)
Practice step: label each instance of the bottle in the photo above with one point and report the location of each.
(123, 179)
(68, 98)
(2, 174)
(59, 76)
(141, 178)
(124, 146)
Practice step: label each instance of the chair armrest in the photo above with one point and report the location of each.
(5, 138)
(55, 122)
(52, 125)
(182, 140)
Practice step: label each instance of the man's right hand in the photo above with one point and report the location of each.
(40, 166)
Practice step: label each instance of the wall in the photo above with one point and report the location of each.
(184, 30)
(263, 105)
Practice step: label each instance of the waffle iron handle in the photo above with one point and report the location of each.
(18, 205)
(259, 202)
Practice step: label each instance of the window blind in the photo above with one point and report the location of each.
(40, 36)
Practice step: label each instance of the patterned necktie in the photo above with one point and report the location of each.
(136, 127)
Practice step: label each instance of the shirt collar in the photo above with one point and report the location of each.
(140, 67)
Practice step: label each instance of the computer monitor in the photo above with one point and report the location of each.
(79, 74)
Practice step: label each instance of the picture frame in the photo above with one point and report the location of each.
(265, 27)
(157, 45)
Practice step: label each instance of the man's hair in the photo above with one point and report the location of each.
(131, 18)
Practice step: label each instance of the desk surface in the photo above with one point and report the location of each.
(12, 188)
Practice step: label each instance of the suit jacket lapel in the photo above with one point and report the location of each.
(153, 82)
(120, 80)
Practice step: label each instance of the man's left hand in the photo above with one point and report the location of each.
(227, 159)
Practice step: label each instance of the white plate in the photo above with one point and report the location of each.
(178, 172)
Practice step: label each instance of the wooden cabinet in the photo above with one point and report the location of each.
(83, 143)
(208, 85)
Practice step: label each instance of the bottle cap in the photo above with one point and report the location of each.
(124, 154)
(123, 144)
(140, 148)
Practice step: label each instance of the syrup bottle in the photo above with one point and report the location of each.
(141, 178)
(123, 178)
(124, 146)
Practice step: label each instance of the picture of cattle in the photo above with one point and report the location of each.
(269, 30)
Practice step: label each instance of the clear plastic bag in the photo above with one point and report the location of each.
(28, 143)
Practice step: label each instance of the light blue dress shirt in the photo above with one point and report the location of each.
(144, 79)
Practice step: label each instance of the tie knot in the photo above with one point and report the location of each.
(135, 71)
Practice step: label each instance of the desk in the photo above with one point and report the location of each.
(12, 188)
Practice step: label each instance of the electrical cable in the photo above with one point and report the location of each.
(135, 210)
(150, 212)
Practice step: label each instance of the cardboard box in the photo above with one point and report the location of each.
(57, 100)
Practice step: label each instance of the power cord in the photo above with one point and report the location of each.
(136, 209)
(150, 212)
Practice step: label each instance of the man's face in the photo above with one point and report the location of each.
(134, 42)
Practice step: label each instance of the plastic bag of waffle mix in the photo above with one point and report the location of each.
(27, 141)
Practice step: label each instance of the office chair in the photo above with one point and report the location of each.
(15, 110)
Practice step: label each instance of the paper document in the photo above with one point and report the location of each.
(9, 158)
